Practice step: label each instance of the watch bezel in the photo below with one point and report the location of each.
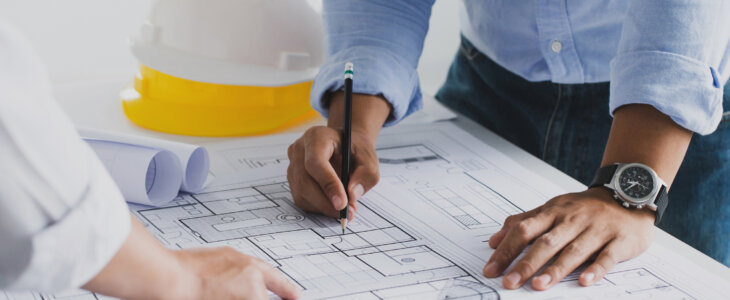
(648, 199)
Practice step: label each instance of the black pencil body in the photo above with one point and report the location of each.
(346, 140)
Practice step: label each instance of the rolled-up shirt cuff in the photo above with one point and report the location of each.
(687, 90)
(71, 251)
(376, 72)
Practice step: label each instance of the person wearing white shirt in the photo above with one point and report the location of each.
(64, 223)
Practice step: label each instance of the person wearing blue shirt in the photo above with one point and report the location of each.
(581, 84)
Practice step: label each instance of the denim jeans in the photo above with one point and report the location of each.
(567, 126)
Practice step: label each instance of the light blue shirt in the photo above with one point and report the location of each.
(671, 54)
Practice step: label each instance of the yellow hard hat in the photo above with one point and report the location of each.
(225, 67)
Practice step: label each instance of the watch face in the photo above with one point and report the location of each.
(636, 182)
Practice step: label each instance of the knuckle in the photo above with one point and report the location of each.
(512, 220)
(575, 249)
(509, 221)
(549, 240)
(562, 201)
(523, 228)
(503, 256)
(576, 218)
(312, 131)
(526, 268)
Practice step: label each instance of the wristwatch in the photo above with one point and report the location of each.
(634, 185)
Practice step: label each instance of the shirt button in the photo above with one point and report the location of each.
(556, 46)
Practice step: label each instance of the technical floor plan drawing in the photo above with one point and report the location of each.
(420, 234)
(373, 254)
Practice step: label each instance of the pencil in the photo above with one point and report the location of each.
(346, 138)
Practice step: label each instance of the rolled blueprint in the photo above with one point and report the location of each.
(193, 158)
(144, 175)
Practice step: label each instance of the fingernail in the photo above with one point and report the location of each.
(589, 277)
(491, 269)
(513, 278)
(357, 191)
(337, 202)
(543, 280)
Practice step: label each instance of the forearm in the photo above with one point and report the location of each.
(369, 113)
(640, 133)
(141, 269)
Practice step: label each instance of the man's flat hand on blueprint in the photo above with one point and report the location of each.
(315, 157)
(575, 227)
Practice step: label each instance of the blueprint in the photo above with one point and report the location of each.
(420, 234)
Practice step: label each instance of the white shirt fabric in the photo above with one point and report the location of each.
(62, 218)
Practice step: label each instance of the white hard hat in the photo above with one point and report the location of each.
(225, 67)
(236, 42)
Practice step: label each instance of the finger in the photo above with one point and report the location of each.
(541, 251)
(496, 238)
(310, 198)
(366, 173)
(351, 214)
(259, 291)
(613, 253)
(509, 222)
(570, 258)
(306, 193)
(278, 283)
(515, 241)
(249, 284)
(319, 149)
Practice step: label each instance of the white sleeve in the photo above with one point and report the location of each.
(61, 216)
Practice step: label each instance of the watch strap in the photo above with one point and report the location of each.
(661, 201)
(603, 175)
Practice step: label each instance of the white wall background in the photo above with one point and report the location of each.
(86, 40)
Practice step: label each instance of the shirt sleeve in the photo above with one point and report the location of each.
(674, 55)
(384, 40)
(61, 216)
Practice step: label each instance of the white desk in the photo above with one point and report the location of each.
(97, 105)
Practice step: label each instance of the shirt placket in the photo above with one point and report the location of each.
(556, 41)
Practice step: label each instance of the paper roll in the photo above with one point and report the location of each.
(193, 158)
(144, 175)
